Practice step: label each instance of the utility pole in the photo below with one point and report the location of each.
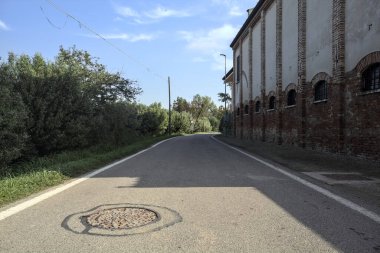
(170, 110)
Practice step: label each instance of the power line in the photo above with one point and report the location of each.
(81, 24)
(51, 23)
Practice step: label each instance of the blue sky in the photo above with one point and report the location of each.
(180, 39)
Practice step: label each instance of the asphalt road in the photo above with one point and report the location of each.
(209, 198)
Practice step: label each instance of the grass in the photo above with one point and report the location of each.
(22, 180)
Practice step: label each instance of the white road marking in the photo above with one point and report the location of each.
(24, 205)
(373, 216)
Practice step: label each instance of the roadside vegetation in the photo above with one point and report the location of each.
(22, 180)
(62, 118)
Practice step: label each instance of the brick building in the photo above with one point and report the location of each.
(307, 73)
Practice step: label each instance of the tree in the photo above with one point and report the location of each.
(181, 122)
(201, 107)
(202, 125)
(181, 105)
(224, 97)
(102, 86)
(154, 120)
(13, 114)
(71, 101)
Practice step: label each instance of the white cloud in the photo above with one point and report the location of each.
(3, 26)
(210, 41)
(126, 11)
(235, 7)
(235, 11)
(209, 44)
(150, 16)
(126, 37)
(161, 12)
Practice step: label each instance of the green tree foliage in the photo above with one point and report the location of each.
(214, 122)
(154, 120)
(226, 124)
(69, 103)
(224, 97)
(202, 125)
(181, 122)
(13, 114)
(181, 105)
(203, 108)
(74, 102)
(204, 114)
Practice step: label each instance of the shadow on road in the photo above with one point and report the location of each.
(199, 161)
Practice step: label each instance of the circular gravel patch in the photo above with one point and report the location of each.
(121, 218)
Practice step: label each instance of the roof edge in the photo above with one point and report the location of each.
(247, 21)
(228, 73)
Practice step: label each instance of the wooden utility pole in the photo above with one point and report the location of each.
(170, 110)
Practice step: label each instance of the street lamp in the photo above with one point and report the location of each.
(225, 94)
(225, 86)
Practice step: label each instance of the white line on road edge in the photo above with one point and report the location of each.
(373, 216)
(13, 210)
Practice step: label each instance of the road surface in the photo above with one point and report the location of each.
(208, 197)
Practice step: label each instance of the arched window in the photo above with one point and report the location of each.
(257, 106)
(292, 97)
(272, 102)
(320, 91)
(246, 109)
(371, 77)
(238, 111)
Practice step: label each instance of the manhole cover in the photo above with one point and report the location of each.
(347, 177)
(121, 218)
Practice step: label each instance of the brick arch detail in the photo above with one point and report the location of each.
(366, 61)
(291, 86)
(271, 93)
(321, 76)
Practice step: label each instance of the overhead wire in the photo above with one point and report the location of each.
(83, 25)
(51, 23)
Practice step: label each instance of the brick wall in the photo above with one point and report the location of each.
(348, 121)
(362, 118)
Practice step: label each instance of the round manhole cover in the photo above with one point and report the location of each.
(121, 218)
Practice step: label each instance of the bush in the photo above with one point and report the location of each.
(13, 114)
(154, 121)
(202, 125)
(181, 122)
(226, 122)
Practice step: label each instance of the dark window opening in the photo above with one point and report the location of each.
(272, 102)
(371, 77)
(238, 69)
(246, 109)
(320, 91)
(257, 106)
(238, 111)
(292, 97)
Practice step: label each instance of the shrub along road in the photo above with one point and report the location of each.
(208, 198)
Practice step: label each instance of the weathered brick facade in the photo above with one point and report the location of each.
(347, 121)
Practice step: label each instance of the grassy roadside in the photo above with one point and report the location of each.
(25, 179)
